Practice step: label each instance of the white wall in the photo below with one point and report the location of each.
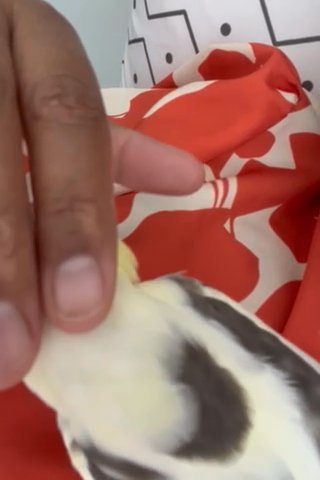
(102, 26)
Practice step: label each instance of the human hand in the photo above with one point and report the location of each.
(60, 262)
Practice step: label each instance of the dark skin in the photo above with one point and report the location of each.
(59, 261)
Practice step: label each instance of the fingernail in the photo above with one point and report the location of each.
(15, 342)
(78, 288)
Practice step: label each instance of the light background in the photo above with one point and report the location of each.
(102, 26)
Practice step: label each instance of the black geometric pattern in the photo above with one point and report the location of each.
(157, 16)
(144, 44)
(174, 13)
(225, 31)
(283, 43)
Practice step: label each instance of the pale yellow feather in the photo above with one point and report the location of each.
(127, 262)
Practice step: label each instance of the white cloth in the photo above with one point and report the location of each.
(163, 34)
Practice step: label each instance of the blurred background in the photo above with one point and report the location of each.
(102, 26)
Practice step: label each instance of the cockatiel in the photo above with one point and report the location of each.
(180, 383)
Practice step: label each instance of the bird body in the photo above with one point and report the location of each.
(180, 383)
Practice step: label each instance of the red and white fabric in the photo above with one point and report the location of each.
(252, 230)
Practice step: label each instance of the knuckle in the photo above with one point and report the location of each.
(70, 209)
(69, 221)
(65, 99)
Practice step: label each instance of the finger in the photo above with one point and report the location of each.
(19, 313)
(144, 164)
(71, 168)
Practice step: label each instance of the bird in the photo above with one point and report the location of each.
(180, 382)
